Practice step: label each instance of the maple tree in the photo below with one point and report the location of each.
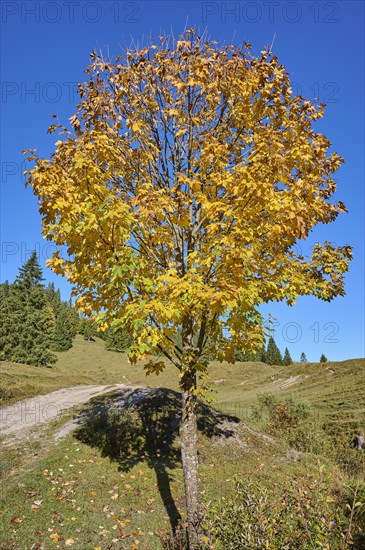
(188, 175)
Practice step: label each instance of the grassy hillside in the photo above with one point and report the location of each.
(336, 390)
(85, 491)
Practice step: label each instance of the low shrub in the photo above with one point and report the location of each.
(280, 416)
(305, 517)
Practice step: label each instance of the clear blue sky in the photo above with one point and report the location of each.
(45, 48)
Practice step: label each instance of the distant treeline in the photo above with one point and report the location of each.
(271, 355)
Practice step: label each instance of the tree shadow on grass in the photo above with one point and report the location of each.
(142, 426)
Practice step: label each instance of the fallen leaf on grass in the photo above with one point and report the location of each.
(160, 532)
(69, 542)
(15, 520)
(36, 504)
(55, 537)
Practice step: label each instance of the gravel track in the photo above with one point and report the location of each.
(19, 418)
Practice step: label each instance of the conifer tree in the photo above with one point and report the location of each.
(26, 327)
(323, 359)
(245, 357)
(287, 360)
(63, 331)
(87, 328)
(74, 318)
(273, 355)
(4, 290)
(30, 274)
(53, 297)
(117, 340)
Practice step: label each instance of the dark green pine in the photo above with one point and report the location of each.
(287, 360)
(26, 320)
(273, 355)
(117, 340)
(63, 330)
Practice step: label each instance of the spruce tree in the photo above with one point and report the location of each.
(74, 317)
(63, 331)
(30, 274)
(53, 297)
(303, 358)
(323, 359)
(4, 290)
(87, 328)
(287, 360)
(242, 356)
(117, 340)
(26, 325)
(273, 355)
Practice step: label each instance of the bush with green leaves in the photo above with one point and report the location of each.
(302, 517)
(281, 416)
(293, 421)
(297, 423)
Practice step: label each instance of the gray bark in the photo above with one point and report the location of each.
(189, 456)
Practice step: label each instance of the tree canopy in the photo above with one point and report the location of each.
(191, 172)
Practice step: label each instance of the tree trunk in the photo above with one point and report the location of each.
(189, 456)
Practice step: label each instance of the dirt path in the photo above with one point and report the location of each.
(17, 419)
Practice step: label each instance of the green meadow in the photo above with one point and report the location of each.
(275, 438)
